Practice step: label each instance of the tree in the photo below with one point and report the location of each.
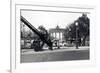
(84, 22)
(83, 30)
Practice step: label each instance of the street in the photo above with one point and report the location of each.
(70, 53)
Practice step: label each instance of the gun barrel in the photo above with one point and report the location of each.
(47, 41)
(30, 26)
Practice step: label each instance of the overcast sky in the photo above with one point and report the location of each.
(50, 19)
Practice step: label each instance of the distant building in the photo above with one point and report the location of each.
(57, 33)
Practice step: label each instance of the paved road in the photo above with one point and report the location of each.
(56, 55)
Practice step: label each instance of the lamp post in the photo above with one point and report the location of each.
(76, 35)
(70, 35)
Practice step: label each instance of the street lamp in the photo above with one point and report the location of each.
(76, 35)
(70, 35)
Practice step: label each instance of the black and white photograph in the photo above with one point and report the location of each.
(50, 35)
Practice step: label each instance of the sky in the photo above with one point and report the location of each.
(50, 19)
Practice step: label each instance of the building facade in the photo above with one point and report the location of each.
(57, 33)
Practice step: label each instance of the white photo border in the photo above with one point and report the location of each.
(16, 66)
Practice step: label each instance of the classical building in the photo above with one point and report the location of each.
(57, 33)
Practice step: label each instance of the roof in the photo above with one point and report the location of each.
(57, 29)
